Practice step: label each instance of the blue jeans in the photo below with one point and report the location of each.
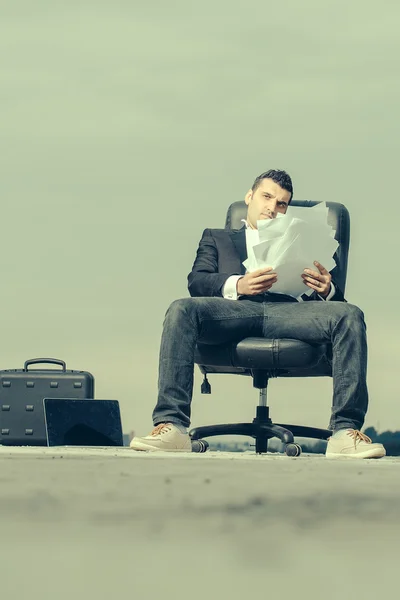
(216, 321)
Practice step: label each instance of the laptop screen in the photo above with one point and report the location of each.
(71, 422)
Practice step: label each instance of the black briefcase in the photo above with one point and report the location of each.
(21, 399)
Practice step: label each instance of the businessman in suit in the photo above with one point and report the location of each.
(228, 304)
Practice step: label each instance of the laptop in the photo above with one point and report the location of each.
(72, 422)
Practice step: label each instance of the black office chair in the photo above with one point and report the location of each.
(263, 358)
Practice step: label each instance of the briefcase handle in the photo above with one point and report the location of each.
(53, 361)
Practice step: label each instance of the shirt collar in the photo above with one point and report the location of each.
(247, 225)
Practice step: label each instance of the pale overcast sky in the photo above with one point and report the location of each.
(127, 128)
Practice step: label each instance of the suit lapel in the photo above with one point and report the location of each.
(238, 238)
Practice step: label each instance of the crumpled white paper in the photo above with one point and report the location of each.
(291, 243)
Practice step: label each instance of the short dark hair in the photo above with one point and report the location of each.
(280, 177)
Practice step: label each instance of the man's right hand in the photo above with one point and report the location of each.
(257, 282)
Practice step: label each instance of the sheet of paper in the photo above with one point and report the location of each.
(290, 243)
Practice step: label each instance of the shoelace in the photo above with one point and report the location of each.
(161, 428)
(359, 437)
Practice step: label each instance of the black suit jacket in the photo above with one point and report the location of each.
(220, 254)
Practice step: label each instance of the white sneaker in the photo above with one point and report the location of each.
(165, 437)
(353, 444)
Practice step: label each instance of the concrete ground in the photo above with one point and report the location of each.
(105, 523)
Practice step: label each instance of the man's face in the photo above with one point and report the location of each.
(266, 202)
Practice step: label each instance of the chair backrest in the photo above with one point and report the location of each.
(338, 218)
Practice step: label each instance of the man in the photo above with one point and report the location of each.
(228, 304)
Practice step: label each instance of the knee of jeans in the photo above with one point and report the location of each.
(354, 312)
(350, 312)
(180, 307)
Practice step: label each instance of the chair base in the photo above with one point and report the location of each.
(262, 429)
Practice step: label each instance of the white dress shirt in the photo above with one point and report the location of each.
(229, 290)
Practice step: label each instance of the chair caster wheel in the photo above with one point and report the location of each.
(199, 446)
(293, 450)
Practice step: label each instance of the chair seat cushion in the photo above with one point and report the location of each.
(260, 353)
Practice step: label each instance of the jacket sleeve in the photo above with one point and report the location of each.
(338, 295)
(204, 278)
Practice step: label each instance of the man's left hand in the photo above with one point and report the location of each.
(319, 281)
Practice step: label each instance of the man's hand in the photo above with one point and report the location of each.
(257, 282)
(318, 281)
